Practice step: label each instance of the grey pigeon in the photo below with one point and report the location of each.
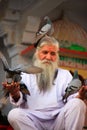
(18, 69)
(73, 86)
(46, 27)
(15, 74)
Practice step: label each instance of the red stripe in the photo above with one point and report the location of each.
(27, 49)
(73, 52)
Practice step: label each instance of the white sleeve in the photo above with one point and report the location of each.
(72, 96)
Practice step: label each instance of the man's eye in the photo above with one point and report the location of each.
(53, 53)
(44, 52)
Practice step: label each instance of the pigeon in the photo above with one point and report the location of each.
(73, 86)
(10, 73)
(46, 27)
(15, 74)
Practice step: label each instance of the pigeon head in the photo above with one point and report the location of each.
(46, 18)
(75, 81)
(75, 76)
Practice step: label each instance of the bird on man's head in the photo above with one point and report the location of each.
(46, 27)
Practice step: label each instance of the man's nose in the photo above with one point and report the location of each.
(48, 56)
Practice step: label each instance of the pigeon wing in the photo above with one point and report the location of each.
(46, 27)
(4, 61)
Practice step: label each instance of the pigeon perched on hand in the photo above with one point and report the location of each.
(73, 86)
(15, 74)
(46, 27)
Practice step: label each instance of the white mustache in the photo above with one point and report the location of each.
(47, 61)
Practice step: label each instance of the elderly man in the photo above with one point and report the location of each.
(44, 108)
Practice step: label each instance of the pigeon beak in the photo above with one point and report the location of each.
(32, 70)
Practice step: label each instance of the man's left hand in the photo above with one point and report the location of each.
(83, 93)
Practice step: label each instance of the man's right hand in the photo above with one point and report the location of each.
(13, 89)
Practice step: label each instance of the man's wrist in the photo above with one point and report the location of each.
(80, 97)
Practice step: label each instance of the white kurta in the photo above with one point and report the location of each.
(42, 106)
(52, 98)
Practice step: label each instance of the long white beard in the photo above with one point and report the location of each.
(45, 79)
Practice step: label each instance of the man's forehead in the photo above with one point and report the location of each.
(49, 48)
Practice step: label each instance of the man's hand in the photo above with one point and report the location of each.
(83, 93)
(12, 88)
